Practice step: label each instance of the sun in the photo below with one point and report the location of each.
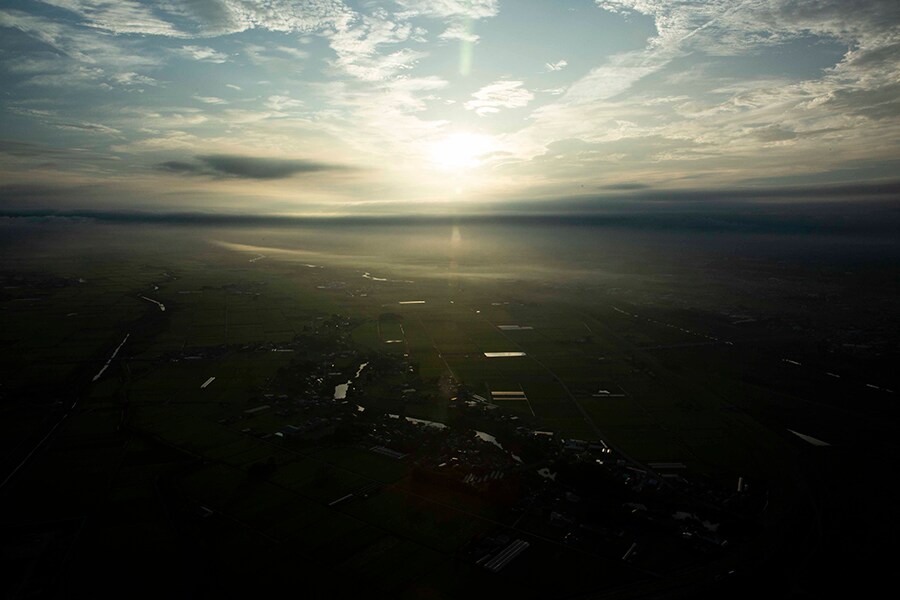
(460, 151)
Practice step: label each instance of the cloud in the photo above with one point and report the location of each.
(210, 99)
(191, 19)
(471, 9)
(71, 56)
(357, 45)
(164, 118)
(379, 67)
(559, 91)
(118, 16)
(720, 90)
(168, 140)
(205, 18)
(40, 152)
(828, 210)
(133, 79)
(459, 31)
(247, 167)
(183, 168)
(222, 17)
(500, 94)
(681, 87)
(77, 43)
(726, 27)
(625, 187)
(280, 103)
(887, 189)
(76, 76)
(381, 119)
(50, 118)
(30, 150)
(459, 15)
(203, 53)
(878, 103)
(89, 127)
(557, 66)
(774, 133)
(275, 57)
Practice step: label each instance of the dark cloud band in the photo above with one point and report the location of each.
(247, 167)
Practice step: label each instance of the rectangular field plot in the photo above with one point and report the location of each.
(390, 331)
(512, 399)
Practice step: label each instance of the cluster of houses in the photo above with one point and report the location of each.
(583, 492)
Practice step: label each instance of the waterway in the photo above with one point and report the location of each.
(340, 390)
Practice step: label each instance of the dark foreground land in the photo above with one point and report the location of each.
(199, 411)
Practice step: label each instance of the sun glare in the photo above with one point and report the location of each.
(460, 151)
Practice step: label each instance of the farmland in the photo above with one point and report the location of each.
(214, 446)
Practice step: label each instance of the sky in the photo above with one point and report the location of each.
(324, 107)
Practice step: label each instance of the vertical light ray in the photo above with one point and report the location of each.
(466, 51)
